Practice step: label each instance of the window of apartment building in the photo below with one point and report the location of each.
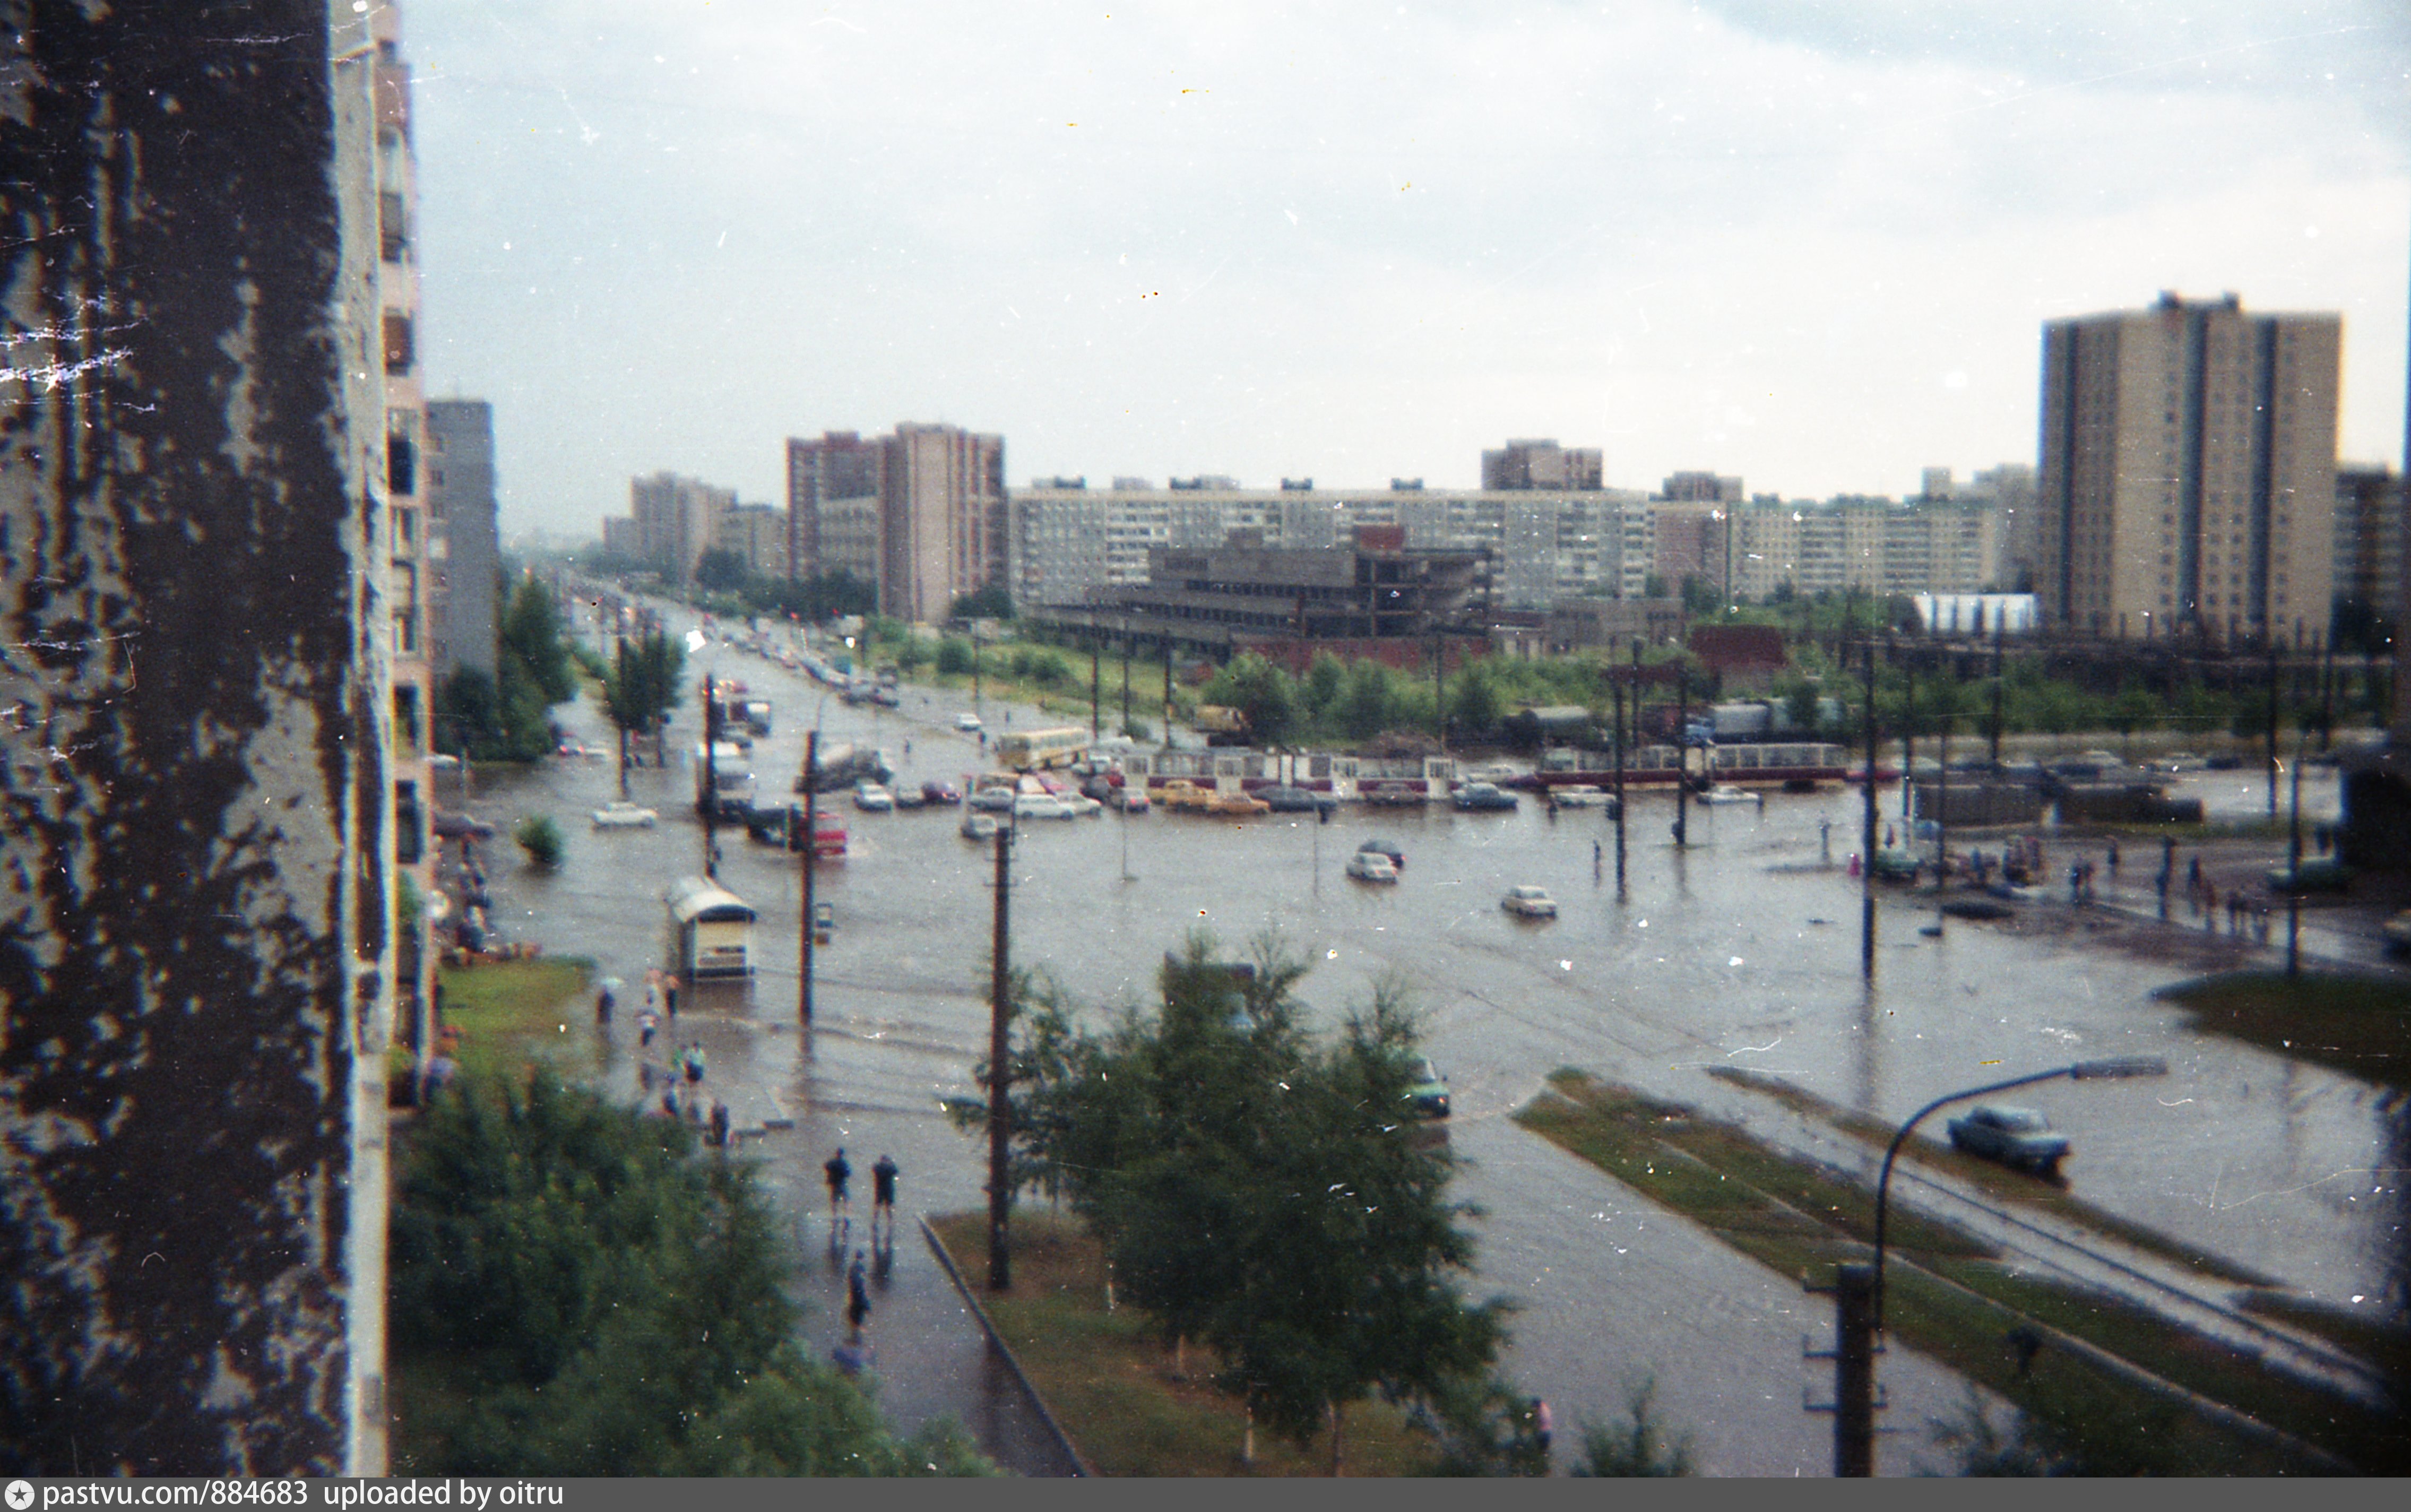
(405, 528)
(405, 719)
(398, 351)
(393, 228)
(409, 825)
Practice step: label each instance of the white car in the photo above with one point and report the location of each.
(1529, 902)
(1372, 866)
(624, 816)
(872, 799)
(1042, 806)
(969, 723)
(993, 799)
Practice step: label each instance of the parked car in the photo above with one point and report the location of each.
(1237, 805)
(1371, 866)
(2318, 874)
(1430, 1095)
(967, 722)
(908, 797)
(1474, 795)
(624, 816)
(978, 826)
(2018, 1137)
(1529, 902)
(1385, 847)
(872, 799)
(993, 799)
(2397, 932)
(1131, 798)
(1042, 806)
(1182, 794)
(946, 793)
(1287, 800)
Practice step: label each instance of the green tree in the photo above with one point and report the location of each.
(540, 837)
(594, 1301)
(992, 602)
(642, 689)
(1326, 679)
(953, 657)
(722, 569)
(1367, 705)
(1263, 1192)
(1258, 689)
(1476, 706)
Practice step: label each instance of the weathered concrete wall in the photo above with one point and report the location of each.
(193, 804)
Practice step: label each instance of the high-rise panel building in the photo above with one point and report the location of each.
(919, 514)
(2188, 472)
(1541, 464)
(461, 515)
(206, 737)
(2370, 556)
(678, 519)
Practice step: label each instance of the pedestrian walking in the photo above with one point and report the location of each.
(836, 1173)
(669, 994)
(2193, 876)
(652, 992)
(602, 1005)
(647, 1022)
(1598, 859)
(882, 1196)
(2113, 858)
(857, 1296)
(719, 1123)
(1544, 1423)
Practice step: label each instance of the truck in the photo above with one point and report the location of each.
(844, 764)
(1220, 723)
(730, 766)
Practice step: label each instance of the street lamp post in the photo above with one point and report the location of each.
(2294, 866)
(1855, 1407)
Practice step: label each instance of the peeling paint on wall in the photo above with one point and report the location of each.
(192, 761)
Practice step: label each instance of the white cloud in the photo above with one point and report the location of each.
(1358, 241)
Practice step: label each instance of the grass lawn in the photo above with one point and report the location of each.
(514, 1012)
(1952, 1300)
(1993, 1178)
(1117, 1390)
(2353, 1024)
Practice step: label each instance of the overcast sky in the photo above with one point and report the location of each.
(1809, 241)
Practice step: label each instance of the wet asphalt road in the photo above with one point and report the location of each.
(1741, 951)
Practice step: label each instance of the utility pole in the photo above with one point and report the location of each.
(1682, 752)
(2294, 864)
(1096, 689)
(1854, 1369)
(999, 1079)
(1167, 692)
(711, 779)
(2268, 639)
(1620, 728)
(1867, 849)
(812, 857)
(1126, 653)
(2327, 693)
(619, 670)
(1907, 734)
(1997, 690)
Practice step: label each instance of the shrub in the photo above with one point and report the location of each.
(540, 837)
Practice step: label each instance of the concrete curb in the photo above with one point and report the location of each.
(996, 1341)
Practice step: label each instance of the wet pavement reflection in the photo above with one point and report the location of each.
(1742, 951)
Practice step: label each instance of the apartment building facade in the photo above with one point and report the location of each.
(920, 514)
(678, 519)
(1069, 540)
(461, 520)
(1542, 465)
(2187, 480)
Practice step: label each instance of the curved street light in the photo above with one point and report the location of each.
(2115, 1068)
(1860, 1289)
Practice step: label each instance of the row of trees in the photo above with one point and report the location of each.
(1264, 1194)
(506, 715)
(575, 1293)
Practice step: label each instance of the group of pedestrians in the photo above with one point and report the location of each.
(854, 1353)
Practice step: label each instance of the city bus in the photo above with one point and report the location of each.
(1027, 750)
